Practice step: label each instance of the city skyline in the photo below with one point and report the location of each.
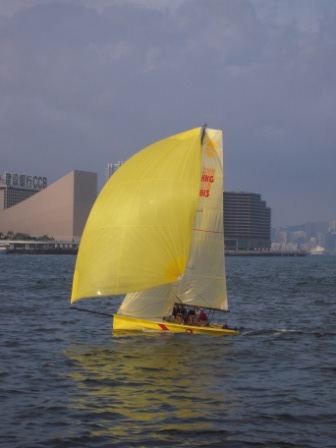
(90, 82)
(247, 217)
(36, 183)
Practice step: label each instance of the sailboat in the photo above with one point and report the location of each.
(155, 236)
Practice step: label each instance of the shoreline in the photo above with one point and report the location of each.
(74, 251)
(256, 253)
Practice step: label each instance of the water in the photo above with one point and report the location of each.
(66, 382)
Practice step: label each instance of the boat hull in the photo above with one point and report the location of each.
(126, 324)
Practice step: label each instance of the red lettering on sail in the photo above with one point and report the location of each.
(207, 179)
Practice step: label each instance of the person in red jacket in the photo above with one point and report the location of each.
(203, 318)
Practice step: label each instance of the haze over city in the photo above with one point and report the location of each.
(84, 83)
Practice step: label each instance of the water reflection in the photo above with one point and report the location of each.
(141, 385)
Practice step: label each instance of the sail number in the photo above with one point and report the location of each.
(204, 193)
(207, 179)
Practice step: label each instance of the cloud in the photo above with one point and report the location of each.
(84, 83)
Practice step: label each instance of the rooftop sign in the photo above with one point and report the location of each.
(24, 181)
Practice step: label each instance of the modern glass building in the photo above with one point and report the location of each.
(247, 222)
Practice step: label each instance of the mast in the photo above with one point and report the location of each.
(203, 129)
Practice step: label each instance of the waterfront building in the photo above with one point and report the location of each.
(247, 222)
(15, 188)
(58, 211)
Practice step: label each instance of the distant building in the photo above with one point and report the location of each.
(247, 222)
(306, 237)
(59, 210)
(15, 188)
(112, 168)
(330, 239)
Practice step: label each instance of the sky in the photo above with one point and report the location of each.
(84, 83)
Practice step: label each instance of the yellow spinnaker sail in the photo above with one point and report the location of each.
(139, 231)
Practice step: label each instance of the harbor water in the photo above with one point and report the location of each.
(65, 381)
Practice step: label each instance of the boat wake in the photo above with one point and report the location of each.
(284, 332)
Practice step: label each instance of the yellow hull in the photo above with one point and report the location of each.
(132, 324)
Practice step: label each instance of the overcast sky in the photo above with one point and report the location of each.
(88, 82)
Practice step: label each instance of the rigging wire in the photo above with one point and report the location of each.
(91, 311)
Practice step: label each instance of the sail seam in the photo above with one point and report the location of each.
(206, 231)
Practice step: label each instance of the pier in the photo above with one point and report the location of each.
(33, 247)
